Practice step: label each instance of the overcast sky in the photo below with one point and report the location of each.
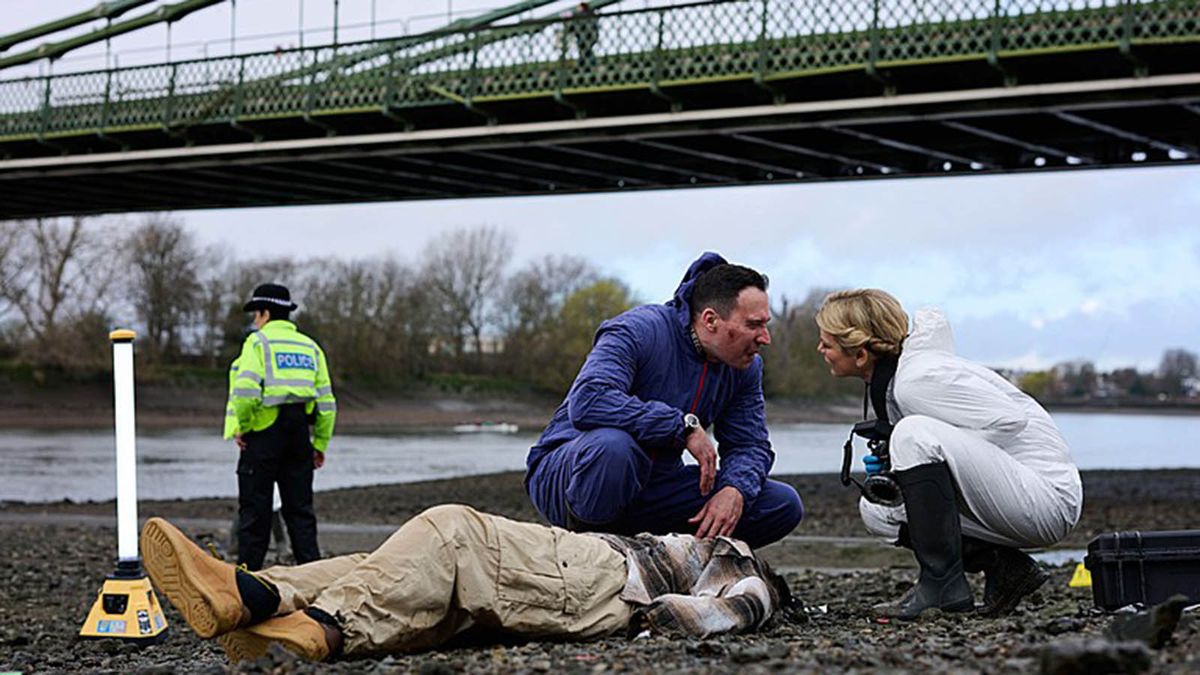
(1032, 269)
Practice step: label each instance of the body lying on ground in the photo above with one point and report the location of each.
(453, 571)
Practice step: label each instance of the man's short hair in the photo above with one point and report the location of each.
(720, 286)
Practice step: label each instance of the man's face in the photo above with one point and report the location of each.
(736, 339)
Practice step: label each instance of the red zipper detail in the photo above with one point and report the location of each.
(699, 388)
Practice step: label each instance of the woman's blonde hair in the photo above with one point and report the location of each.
(864, 317)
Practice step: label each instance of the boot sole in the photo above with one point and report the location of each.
(241, 645)
(252, 642)
(1012, 600)
(195, 590)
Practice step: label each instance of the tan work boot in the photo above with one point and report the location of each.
(203, 588)
(296, 632)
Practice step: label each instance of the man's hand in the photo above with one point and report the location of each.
(702, 449)
(720, 514)
(318, 459)
(241, 442)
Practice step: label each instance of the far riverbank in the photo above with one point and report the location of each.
(166, 406)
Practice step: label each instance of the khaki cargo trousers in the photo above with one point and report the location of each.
(451, 569)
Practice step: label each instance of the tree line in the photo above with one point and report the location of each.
(458, 315)
(1177, 378)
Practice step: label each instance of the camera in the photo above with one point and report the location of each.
(880, 488)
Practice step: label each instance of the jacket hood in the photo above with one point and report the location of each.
(931, 332)
(683, 295)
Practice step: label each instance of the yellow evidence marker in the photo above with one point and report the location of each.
(1082, 577)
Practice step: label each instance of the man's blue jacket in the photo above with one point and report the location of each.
(644, 373)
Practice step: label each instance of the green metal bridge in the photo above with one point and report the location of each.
(711, 93)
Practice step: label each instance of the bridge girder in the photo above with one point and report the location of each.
(1066, 126)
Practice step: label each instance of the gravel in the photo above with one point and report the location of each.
(50, 571)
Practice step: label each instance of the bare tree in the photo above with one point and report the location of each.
(792, 366)
(530, 309)
(371, 317)
(164, 285)
(55, 272)
(1175, 369)
(464, 269)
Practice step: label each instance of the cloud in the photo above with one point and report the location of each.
(1135, 338)
(1034, 266)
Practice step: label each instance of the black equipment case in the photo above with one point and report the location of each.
(1144, 567)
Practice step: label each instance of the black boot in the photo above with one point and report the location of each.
(935, 535)
(1009, 574)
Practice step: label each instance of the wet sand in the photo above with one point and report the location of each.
(56, 557)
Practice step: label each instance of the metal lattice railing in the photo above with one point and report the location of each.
(763, 40)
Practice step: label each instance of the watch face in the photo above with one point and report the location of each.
(691, 421)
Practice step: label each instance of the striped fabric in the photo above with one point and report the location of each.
(696, 587)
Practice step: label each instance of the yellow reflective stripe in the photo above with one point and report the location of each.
(306, 345)
(268, 362)
(290, 383)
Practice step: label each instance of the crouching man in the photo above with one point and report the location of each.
(453, 570)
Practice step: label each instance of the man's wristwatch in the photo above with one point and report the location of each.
(691, 423)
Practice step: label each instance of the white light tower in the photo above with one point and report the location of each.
(126, 606)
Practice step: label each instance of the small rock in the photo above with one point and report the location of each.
(1062, 625)
(706, 648)
(1094, 656)
(1153, 627)
(428, 668)
(748, 654)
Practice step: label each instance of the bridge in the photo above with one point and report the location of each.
(727, 92)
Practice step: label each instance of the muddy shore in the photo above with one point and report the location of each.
(57, 554)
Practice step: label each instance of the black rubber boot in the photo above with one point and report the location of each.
(1009, 574)
(935, 535)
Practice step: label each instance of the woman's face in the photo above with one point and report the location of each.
(842, 363)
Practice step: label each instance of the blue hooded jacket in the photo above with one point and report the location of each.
(644, 373)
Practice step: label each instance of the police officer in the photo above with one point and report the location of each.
(281, 384)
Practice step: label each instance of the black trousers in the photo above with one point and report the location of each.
(280, 454)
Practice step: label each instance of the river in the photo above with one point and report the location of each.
(51, 466)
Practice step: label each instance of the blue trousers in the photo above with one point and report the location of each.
(612, 485)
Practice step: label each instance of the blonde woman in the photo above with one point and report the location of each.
(983, 469)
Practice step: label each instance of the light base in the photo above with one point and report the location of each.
(126, 607)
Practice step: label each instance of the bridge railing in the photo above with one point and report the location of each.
(759, 40)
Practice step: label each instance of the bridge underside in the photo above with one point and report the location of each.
(950, 119)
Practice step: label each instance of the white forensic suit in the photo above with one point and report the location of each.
(1011, 464)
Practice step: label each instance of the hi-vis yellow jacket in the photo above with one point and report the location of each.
(279, 365)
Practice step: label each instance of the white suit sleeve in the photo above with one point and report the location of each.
(953, 394)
